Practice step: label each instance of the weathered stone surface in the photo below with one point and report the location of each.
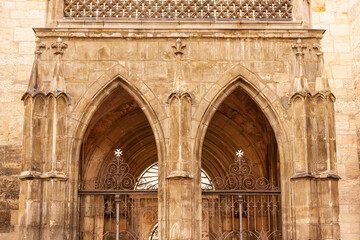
(104, 112)
(10, 160)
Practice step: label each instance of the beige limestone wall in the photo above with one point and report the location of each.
(337, 17)
(355, 47)
(17, 18)
(355, 41)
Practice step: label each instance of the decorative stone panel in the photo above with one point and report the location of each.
(180, 9)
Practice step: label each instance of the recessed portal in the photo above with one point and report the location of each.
(241, 157)
(118, 146)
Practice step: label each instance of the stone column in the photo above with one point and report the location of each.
(180, 182)
(303, 204)
(300, 102)
(315, 204)
(180, 203)
(33, 158)
(324, 171)
(54, 176)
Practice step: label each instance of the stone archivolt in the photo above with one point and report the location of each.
(179, 9)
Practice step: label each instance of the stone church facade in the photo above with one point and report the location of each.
(164, 119)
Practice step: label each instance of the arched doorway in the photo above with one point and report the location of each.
(118, 146)
(119, 122)
(240, 154)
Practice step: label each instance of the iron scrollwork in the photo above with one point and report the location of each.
(241, 177)
(117, 176)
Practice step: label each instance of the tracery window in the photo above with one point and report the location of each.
(179, 9)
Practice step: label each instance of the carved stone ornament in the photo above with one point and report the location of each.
(35, 83)
(179, 85)
(179, 47)
(300, 81)
(322, 83)
(58, 81)
(59, 46)
(180, 9)
(180, 95)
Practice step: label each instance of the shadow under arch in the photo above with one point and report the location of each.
(88, 108)
(281, 136)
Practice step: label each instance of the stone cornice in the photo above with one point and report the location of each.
(228, 33)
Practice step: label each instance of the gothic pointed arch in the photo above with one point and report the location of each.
(243, 113)
(114, 114)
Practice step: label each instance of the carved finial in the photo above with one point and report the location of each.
(319, 48)
(39, 46)
(179, 84)
(35, 83)
(299, 46)
(179, 47)
(300, 82)
(58, 81)
(59, 45)
(322, 83)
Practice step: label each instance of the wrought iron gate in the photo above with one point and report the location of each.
(119, 206)
(118, 215)
(241, 215)
(241, 206)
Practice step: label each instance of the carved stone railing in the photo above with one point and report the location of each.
(179, 9)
